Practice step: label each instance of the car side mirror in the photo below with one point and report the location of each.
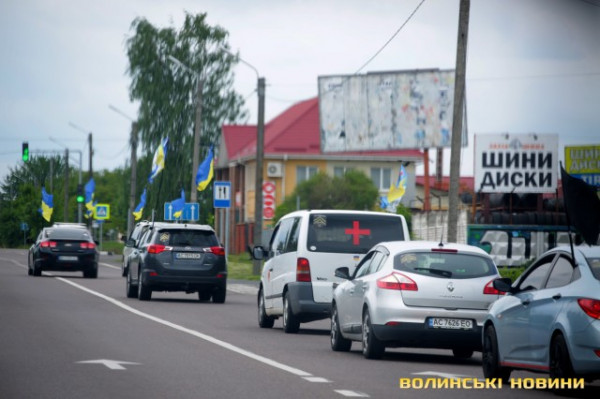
(258, 253)
(130, 243)
(503, 284)
(343, 272)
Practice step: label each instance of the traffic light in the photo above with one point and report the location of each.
(80, 196)
(25, 151)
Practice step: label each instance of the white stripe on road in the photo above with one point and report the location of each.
(351, 394)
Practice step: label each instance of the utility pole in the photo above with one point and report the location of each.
(457, 121)
(66, 208)
(197, 132)
(132, 185)
(91, 174)
(258, 197)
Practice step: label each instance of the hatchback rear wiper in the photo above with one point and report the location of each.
(439, 272)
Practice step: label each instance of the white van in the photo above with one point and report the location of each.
(305, 249)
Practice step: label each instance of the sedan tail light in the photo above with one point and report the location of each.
(591, 307)
(303, 270)
(490, 290)
(156, 249)
(48, 244)
(87, 245)
(397, 281)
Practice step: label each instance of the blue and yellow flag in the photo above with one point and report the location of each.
(137, 213)
(90, 187)
(47, 205)
(397, 190)
(178, 205)
(205, 171)
(158, 163)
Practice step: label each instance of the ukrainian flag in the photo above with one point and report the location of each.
(90, 187)
(397, 190)
(137, 213)
(178, 205)
(205, 171)
(158, 163)
(47, 205)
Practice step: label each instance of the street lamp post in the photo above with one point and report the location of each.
(89, 134)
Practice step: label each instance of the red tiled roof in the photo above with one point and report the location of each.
(294, 131)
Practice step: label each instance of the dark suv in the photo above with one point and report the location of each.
(178, 257)
(64, 247)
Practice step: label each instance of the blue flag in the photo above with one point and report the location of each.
(178, 205)
(158, 163)
(205, 171)
(47, 205)
(137, 213)
(90, 187)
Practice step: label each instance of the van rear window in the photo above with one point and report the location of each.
(351, 233)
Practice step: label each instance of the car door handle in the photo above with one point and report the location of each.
(351, 291)
(526, 302)
(557, 296)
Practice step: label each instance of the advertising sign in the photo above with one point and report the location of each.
(268, 200)
(516, 163)
(583, 162)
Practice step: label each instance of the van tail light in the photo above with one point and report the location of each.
(591, 307)
(219, 251)
(87, 245)
(156, 249)
(490, 290)
(303, 270)
(397, 281)
(48, 244)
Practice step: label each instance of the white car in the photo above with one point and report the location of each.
(305, 249)
(414, 294)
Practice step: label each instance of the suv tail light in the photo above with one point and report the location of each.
(48, 244)
(490, 290)
(303, 270)
(219, 251)
(87, 245)
(156, 249)
(397, 281)
(591, 307)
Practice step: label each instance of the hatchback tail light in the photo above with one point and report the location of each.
(220, 251)
(591, 307)
(303, 270)
(490, 290)
(397, 281)
(156, 249)
(87, 245)
(48, 244)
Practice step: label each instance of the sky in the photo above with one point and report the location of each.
(533, 66)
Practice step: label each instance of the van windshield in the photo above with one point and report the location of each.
(351, 233)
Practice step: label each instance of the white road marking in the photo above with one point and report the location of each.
(111, 364)
(316, 379)
(443, 375)
(351, 394)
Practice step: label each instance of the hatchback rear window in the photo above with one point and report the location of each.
(187, 238)
(444, 264)
(351, 233)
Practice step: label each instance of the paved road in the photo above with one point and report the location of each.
(63, 336)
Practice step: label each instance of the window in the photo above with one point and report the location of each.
(444, 264)
(304, 173)
(340, 171)
(536, 277)
(281, 236)
(381, 177)
(561, 274)
(363, 268)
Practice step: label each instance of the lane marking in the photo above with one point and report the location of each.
(316, 379)
(351, 394)
(111, 364)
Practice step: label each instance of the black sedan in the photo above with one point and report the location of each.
(64, 248)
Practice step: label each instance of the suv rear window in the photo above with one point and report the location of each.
(351, 233)
(444, 264)
(186, 238)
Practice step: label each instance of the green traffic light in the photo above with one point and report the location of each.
(80, 199)
(25, 152)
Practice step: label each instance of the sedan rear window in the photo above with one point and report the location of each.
(68, 234)
(444, 264)
(187, 238)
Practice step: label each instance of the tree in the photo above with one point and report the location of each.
(167, 96)
(352, 191)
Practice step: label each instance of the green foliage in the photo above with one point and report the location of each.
(352, 191)
(406, 212)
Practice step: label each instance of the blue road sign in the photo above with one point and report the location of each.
(191, 211)
(222, 194)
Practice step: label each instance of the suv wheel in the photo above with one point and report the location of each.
(144, 292)
(290, 322)
(264, 321)
(219, 295)
(130, 288)
(338, 342)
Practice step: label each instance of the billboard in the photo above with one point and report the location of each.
(583, 162)
(516, 163)
(387, 110)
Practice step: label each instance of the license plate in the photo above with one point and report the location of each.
(67, 258)
(453, 324)
(187, 255)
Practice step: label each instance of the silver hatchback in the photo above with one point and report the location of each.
(550, 320)
(414, 294)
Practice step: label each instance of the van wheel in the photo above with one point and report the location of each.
(264, 321)
(290, 322)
